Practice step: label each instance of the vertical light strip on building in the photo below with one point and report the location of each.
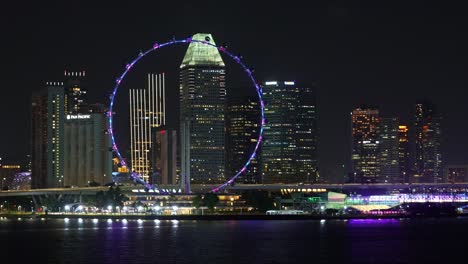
(146, 111)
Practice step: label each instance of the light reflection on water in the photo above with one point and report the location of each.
(180, 241)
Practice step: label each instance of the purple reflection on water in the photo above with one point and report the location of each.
(357, 222)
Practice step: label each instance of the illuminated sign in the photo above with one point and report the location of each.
(78, 116)
(289, 83)
(271, 83)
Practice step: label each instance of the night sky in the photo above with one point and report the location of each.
(385, 55)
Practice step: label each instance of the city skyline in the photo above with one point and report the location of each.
(389, 67)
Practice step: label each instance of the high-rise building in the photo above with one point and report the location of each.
(164, 156)
(202, 104)
(47, 132)
(75, 91)
(147, 111)
(389, 150)
(242, 130)
(87, 157)
(428, 156)
(365, 144)
(403, 154)
(290, 135)
(306, 137)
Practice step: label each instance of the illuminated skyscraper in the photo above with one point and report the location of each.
(147, 111)
(428, 158)
(47, 131)
(290, 136)
(365, 144)
(202, 103)
(242, 129)
(403, 153)
(86, 152)
(389, 147)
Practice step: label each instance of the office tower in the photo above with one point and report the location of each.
(47, 119)
(147, 111)
(290, 135)
(428, 156)
(365, 144)
(242, 131)
(389, 150)
(403, 154)
(87, 157)
(306, 137)
(75, 92)
(164, 156)
(202, 103)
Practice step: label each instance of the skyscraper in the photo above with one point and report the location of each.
(306, 137)
(86, 152)
(428, 156)
(147, 111)
(403, 153)
(164, 156)
(202, 103)
(389, 150)
(48, 114)
(365, 144)
(242, 130)
(290, 136)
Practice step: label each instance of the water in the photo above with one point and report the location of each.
(429, 240)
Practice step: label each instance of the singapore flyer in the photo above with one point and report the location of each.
(157, 46)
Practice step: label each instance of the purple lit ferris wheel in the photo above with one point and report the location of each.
(155, 47)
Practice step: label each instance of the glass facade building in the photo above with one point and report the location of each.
(242, 129)
(365, 144)
(290, 135)
(428, 155)
(202, 113)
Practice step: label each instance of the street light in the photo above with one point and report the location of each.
(3, 179)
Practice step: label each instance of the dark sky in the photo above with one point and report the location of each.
(385, 54)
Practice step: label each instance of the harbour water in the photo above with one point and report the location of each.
(412, 240)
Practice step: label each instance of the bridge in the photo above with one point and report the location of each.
(204, 188)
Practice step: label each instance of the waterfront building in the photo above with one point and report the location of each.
(87, 155)
(290, 136)
(47, 131)
(202, 113)
(75, 92)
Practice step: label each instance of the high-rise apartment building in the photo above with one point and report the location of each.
(47, 130)
(428, 156)
(202, 107)
(242, 130)
(147, 112)
(365, 144)
(290, 135)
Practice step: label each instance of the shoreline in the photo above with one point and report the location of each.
(224, 217)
